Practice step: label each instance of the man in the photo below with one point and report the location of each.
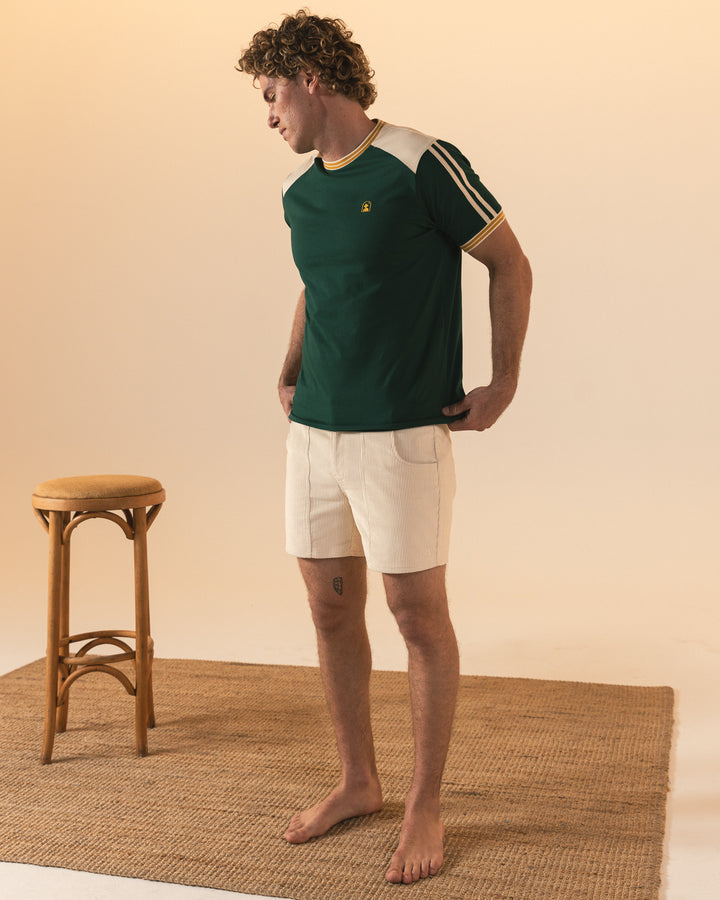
(372, 385)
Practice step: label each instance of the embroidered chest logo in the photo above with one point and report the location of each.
(367, 206)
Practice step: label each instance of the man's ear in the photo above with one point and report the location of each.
(310, 80)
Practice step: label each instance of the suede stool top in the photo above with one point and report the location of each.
(97, 488)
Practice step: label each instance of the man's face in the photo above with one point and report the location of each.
(291, 109)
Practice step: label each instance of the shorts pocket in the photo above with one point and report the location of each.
(296, 437)
(421, 446)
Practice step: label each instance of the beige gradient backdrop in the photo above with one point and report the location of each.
(147, 290)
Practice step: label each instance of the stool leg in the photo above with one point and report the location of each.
(64, 645)
(142, 632)
(151, 701)
(53, 632)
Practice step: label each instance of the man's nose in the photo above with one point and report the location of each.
(273, 120)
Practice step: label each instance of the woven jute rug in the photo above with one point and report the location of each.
(553, 790)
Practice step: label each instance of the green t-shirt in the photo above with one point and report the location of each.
(377, 239)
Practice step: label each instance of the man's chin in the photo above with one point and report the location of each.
(300, 147)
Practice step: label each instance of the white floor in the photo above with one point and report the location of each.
(692, 857)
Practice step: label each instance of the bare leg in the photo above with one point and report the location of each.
(337, 590)
(419, 603)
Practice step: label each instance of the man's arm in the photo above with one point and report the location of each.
(291, 366)
(510, 287)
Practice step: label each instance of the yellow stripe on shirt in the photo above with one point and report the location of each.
(346, 160)
(486, 232)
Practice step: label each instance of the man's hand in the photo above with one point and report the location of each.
(287, 393)
(482, 407)
(291, 367)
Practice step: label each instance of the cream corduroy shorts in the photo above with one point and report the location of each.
(385, 495)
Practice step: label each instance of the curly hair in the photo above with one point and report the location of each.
(321, 46)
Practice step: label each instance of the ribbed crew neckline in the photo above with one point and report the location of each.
(334, 165)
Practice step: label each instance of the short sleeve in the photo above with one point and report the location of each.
(456, 200)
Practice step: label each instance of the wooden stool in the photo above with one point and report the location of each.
(61, 505)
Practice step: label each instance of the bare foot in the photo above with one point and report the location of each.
(420, 850)
(343, 803)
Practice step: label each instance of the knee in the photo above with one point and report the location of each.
(336, 591)
(328, 614)
(417, 627)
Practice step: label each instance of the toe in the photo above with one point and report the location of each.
(296, 835)
(291, 830)
(395, 873)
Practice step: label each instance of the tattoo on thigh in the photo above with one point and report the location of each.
(338, 585)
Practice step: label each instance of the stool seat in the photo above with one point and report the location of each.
(98, 492)
(61, 505)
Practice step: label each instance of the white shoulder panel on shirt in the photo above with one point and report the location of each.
(301, 170)
(405, 144)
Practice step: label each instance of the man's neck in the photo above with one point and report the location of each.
(346, 128)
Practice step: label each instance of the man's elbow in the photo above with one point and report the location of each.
(514, 267)
(526, 272)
